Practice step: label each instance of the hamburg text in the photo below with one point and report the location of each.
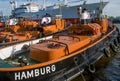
(35, 72)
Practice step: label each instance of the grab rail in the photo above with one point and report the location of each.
(57, 36)
(61, 43)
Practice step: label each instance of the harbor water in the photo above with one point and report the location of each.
(108, 69)
(112, 71)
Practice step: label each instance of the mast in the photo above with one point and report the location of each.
(1, 13)
(44, 6)
(29, 0)
(84, 3)
(13, 4)
(60, 7)
(101, 9)
(65, 2)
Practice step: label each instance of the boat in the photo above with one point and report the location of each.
(31, 9)
(26, 29)
(61, 56)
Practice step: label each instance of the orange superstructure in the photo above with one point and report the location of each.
(25, 30)
(44, 52)
(104, 24)
(59, 46)
(59, 24)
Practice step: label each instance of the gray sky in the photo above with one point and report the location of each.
(112, 9)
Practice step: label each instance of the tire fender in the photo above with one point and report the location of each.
(107, 52)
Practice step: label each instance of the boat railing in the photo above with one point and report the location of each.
(61, 43)
(13, 43)
(73, 37)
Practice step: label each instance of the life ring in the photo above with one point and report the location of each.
(113, 47)
(91, 68)
(107, 52)
(46, 20)
(116, 42)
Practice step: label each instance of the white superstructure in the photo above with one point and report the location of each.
(66, 10)
(26, 8)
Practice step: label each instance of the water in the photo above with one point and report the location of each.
(106, 72)
(112, 71)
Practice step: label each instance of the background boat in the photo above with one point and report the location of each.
(31, 9)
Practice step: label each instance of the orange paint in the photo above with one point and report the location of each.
(77, 40)
(81, 38)
(58, 25)
(24, 30)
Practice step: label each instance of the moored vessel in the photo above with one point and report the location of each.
(61, 56)
(26, 30)
(31, 10)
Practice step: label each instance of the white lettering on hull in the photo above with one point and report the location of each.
(35, 72)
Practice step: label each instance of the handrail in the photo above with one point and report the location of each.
(57, 36)
(13, 43)
(75, 37)
(60, 43)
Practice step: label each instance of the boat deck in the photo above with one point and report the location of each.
(58, 47)
(3, 64)
(14, 61)
(62, 39)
